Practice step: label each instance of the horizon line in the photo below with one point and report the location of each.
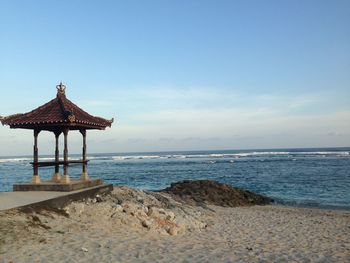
(146, 152)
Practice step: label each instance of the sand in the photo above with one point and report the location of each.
(137, 226)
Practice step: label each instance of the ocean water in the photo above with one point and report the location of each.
(299, 177)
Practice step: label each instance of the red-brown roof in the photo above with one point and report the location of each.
(57, 113)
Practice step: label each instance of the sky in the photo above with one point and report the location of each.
(181, 75)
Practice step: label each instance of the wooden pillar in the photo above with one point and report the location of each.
(57, 176)
(36, 178)
(66, 179)
(84, 176)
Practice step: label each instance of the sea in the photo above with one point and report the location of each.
(294, 177)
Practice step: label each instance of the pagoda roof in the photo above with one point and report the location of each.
(55, 115)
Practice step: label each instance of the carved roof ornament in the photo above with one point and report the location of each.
(71, 116)
(61, 89)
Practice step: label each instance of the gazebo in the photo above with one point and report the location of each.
(59, 116)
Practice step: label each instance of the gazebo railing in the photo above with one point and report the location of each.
(54, 163)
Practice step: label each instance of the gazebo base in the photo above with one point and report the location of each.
(59, 187)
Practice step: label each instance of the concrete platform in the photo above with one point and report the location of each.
(58, 187)
(52, 199)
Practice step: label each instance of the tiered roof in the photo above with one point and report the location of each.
(55, 115)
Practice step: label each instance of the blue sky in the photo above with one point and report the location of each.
(181, 75)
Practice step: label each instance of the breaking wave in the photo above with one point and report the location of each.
(233, 155)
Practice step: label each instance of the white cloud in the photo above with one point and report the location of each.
(200, 118)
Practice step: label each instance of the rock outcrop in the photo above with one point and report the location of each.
(213, 193)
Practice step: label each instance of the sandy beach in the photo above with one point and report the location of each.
(137, 226)
(175, 131)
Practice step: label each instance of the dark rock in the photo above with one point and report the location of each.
(36, 219)
(211, 192)
(99, 199)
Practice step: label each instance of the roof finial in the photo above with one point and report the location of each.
(61, 89)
